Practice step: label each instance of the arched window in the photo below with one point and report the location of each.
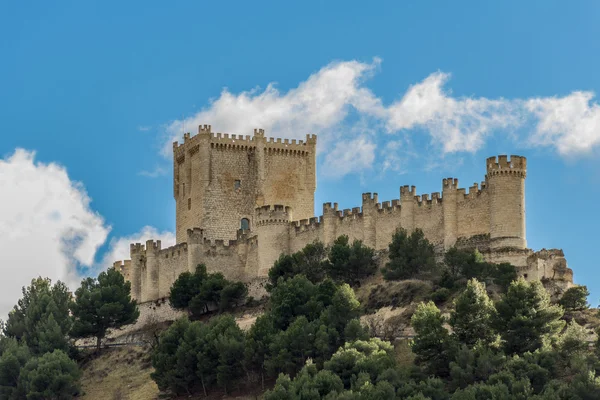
(245, 225)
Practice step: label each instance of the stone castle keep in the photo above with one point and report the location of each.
(241, 201)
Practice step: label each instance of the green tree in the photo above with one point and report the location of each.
(51, 376)
(473, 365)
(473, 315)
(101, 304)
(350, 263)
(431, 344)
(292, 347)
(230, 347)
(232, 295)
(41, 317)
(186, 286)
(373, 356)
(575, 298)
(13, 356)
(259, 338)
(504, 274)
(465, 263)
(309, 384)
(292, 298)
(164, 358)
(525, 317)
(285, 267)
(311, 262)
(209, 294)
(410, 255)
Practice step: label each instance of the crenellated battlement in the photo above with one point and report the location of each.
(329, 208)
(367, 198)
(226, 141)
(501, 165)
(408, 191)
(307, 224)
(174, 251)
(450, 183)
(350, 213)
(389, 206)
(277, 214)
(425, 200)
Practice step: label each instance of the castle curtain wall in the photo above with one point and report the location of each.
(221, 179)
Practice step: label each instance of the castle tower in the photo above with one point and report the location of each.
(505, 180)
(272, 228)
(219, 180)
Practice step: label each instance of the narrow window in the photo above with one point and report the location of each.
(237, 184)
(184, 189)
(245, 225)
(189, 204)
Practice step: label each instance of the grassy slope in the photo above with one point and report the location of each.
(118, 374)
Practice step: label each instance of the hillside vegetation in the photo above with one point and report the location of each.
(340, 322)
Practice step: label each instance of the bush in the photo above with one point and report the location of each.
(441, 295)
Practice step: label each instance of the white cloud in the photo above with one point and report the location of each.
(46, 225)
(456, 124)
(349, 156)
(571, 124)
(48, 228)
(119, 247)
(155, 173)
(331, 99)
(317, 105)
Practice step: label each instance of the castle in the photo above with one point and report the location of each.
(242, 201)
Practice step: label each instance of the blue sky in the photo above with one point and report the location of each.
(398, 92)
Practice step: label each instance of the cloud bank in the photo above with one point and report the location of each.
(48, 228)
(46, 225)
(335, 102)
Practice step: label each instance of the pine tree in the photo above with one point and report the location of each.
(525, 317)
(51, 376)
(101, 304)
(432, 344)
(41, 317)
(473, 315)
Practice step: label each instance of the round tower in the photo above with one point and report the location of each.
(506, 184)
(272, 224)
